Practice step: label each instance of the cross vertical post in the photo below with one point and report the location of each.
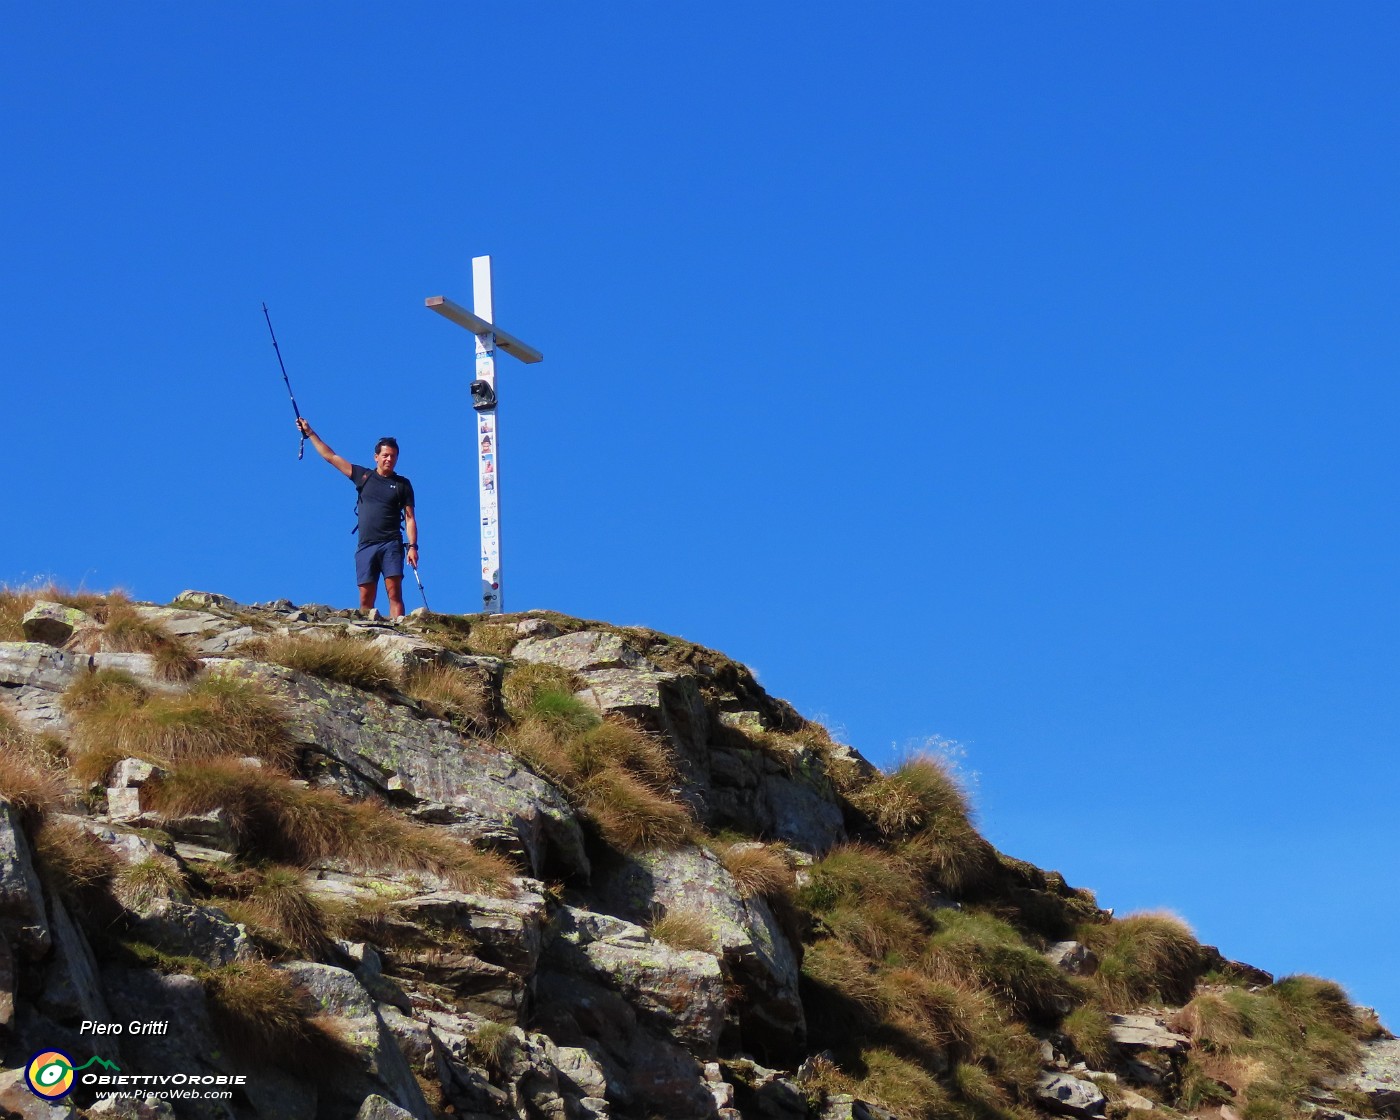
(481, 322)
(488, 476)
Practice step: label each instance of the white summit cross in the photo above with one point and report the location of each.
(483, 389)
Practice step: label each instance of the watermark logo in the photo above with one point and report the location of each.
(51, 1074)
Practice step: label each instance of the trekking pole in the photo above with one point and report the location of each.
(421, 592)
(301, 447)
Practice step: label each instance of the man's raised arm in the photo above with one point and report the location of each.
(337, 461)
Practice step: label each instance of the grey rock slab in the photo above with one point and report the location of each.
(802, 807)
(1073, 957)
(406, 651)
(134, 772)
(388, 749)
(1379, 1076)
(414, 1039)
(1059, 1092)
(192, 625)
(507, 931)
(536, 628)
(193, 1048)
(679, 991)
(186, 929)
(582, 651)
(207, 599)
(17, 1101)
(35, 665)
(224, 642)
(746, 932)
(647, 1072)
(580, 1071)
(38, 709)
(123, 804)
(843, 1106)
(376, 1107)
(1146, 1032)
(764, 1092)
(8, 976)
(384, 1069)
(52, 623)
(211, 830)
(72, 991)
(22, 918)
(133, 1108)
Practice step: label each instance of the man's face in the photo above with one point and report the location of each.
(384, 459)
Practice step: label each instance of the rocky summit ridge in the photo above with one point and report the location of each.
(324, 866)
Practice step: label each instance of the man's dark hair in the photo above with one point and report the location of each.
(386, 441)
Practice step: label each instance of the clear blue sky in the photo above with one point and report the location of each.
(1018, 373)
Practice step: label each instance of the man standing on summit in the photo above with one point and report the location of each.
(385, 499)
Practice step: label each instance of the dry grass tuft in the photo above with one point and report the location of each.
(261, 1016)
(128, 631)
(758, 870)
(456, 695)
(859, 874)
(1266, 1049)
(75, 863)
(340, 657)
(618, 776)
(1088, 1029)
(991, 954)
(139, 884)
(684, 928)
(32, 778)
(918, 793)
(1144, 958)
(951, 855)
(278, 821)
(218, 717)
(278, 901)
(876, 929)
(494, 639)
(491, 1043)
(96, 689)
(923, 809)
(942, 1011)
(840, 988)
(904, 1087)
(632, 816)
(823, 1078)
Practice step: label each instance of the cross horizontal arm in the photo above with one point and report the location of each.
(464, 318)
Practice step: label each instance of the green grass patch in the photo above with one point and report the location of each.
(992, 954)
(1144, 958)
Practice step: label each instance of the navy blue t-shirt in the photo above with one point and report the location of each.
(382, 502)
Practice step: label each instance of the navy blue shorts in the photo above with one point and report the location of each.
(374, 560)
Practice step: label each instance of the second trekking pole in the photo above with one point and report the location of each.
(419, 582)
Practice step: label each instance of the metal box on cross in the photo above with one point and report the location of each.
(489, 337)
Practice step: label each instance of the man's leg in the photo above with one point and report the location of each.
(394, 586)
(367, 591)
(392, 562)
